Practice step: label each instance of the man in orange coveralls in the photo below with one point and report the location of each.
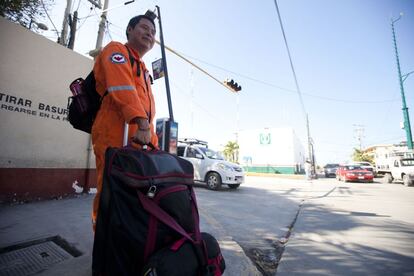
(129, 97)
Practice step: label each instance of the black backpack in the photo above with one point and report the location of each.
(148, 221)
(86, 101)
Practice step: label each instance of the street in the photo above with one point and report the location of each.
(340, 228)
(270, 225)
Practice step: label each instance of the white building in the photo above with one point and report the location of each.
(271, 150)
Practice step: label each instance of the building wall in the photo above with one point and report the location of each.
(41, 155)
(271, 150)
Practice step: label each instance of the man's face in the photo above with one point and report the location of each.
(142, 36)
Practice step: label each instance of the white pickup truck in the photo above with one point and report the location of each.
(209, 166)
(396, 166)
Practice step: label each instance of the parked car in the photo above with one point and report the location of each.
(354, 173)
(365, 165)
(330, 170)
(209, 166)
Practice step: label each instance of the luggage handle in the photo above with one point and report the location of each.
(125, 139)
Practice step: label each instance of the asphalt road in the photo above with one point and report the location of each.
(316, 227)
(270, 225)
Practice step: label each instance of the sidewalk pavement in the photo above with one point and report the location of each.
(70, 219)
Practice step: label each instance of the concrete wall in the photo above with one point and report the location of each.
(272, 150)
(39, 148)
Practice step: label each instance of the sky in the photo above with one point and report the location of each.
(342, 52)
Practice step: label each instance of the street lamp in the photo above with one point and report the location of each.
(402, 78)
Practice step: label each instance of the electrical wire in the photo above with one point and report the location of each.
(290, 59)
(387, 113)
(179, 89)
(81, 24)
(274, 85)
(121, 36)
(90, 15)
(173, 82)
(47, 14)
(388, 140)
(114, 25)
(283, 88)
(78, 5)
(108, 32)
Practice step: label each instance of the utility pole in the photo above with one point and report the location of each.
(311, 156)
(99, 40)
(407, 125)
(102, 25)
(359, 134)
(164, 66)
(73, 24)
(63, 36)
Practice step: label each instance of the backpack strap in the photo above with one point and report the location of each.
(162, 216)
(132, 60)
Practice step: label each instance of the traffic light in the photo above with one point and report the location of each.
(232, 85)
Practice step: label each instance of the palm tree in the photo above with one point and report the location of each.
(361, 155)
(231, 151)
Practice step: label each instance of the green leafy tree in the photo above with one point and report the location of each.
(231, 151)
(360, 155)
(24, 11)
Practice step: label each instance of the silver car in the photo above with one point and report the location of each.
(210, 167)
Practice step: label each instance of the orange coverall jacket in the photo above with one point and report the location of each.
(129, 96)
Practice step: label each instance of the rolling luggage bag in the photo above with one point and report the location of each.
(148, 209)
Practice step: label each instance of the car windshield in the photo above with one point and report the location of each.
(350, 168)
(331, 165)
(407, 162)
(212, 154)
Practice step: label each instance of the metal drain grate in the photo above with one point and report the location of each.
(30, 258)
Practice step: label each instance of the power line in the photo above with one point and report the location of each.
(290, 60)
(90, 15)
(283, 88)
(238, 74)
(78, 5)
(311, 149)
(108, 32)
(334, 144)
(388, 140)
(50, 19)
(268, 83)
(174, 83)
(217, 119)
(81, 24)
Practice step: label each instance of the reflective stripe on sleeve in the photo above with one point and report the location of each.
(120, 87)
